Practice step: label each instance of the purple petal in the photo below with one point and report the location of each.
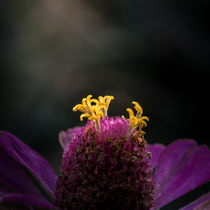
(181, 167)
(27, 200)
(201, 203)
(13, 177)
(66, 137)
(25, 156)
(156, 150)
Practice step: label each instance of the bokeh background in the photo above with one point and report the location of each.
(54, 53)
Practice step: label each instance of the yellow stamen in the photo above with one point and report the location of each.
(94, 111)
(138, 121)
(105, 101)
(132, 118)
(138, 108)
(84, 115)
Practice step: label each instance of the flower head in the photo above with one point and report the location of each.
(107, 163)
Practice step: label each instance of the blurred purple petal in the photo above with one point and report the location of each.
(30, 159)
(66, 137)
(201, 203)
(156, 150)
(181, 167)
(27, 200)
(14, 177)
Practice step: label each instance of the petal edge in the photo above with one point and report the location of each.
(30, 159)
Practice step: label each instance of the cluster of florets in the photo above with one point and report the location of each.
(106, 169)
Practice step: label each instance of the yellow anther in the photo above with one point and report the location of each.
(94, 109)
(88, 100)
(105, 101)
(84, 115)
(138, 108)
(95, 101)
(140, 140)
(143, 120)
(78, 108)
(132, 118)
(137, 121)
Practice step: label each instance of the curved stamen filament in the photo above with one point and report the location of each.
(105, 101)
(137, 121)
(94, 111)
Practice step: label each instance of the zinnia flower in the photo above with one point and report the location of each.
(107, 164)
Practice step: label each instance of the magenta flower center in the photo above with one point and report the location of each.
(106, 169)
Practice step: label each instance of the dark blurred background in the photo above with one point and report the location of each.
(54, 53)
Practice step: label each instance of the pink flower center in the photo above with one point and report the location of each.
(106, 169)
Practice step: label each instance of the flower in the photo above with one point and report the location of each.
(107, 164)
